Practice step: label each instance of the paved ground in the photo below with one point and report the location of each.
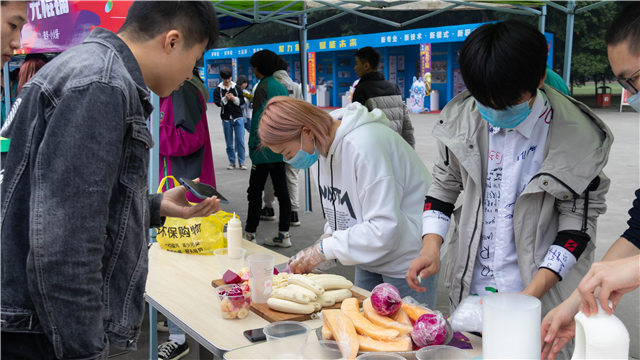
(623, 169)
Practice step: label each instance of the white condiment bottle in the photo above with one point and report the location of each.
(234, 234)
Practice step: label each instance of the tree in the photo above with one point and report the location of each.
(589, 60)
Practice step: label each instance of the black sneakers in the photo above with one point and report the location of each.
(267, 213)
(171, 350)
(295, 221)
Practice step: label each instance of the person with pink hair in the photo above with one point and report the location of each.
(29, 68)
(371, 185)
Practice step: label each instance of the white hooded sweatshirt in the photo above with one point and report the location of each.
(372, 188)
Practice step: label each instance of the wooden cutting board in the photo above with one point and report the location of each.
(270, 315)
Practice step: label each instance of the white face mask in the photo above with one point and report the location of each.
(634, 101)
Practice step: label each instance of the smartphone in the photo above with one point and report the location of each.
(202, 191)
(255, 335)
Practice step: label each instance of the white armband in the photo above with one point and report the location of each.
(559, 260)
(435, 222)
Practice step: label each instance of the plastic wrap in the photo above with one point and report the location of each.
(468, 315)
(430, 329)
(386, 299)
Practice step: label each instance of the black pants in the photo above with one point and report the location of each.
(18, 346)
(257, 180)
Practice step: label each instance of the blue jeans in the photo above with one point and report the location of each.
(368, 280)
(174, 329)
(231, 127)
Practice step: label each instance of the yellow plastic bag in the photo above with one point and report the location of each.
(199, 235)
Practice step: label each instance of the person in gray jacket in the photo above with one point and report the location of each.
(374, 92)
(528, 161)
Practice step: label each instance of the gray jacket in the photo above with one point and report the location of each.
(576, 151)
(76, 207)
(396, 110)
(294, 89)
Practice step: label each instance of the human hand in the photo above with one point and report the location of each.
(426, 264)
(229, 96)
(558, 327)
(175, 204)
(307, 259)
(613, 278)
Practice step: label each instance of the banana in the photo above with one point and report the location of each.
(294, 293)
(326, 300)
(306, 282)
(291, 307)
(332, 281)
(337, 295)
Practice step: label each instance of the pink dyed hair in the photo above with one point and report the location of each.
(283, 118)
(27, 70)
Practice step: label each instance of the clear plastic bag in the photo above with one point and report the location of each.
(468, 315)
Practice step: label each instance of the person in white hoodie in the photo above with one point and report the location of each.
(372, 186)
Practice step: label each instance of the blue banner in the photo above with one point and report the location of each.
(442, 34)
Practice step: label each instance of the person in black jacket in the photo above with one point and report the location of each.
(374, 92)
(228, 96)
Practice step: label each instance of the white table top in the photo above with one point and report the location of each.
(179, 286)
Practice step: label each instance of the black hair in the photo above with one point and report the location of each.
(265, 61)
(40, 56)
(369, 55)
(282, 64)
(500, 62)
(225, 73)
(242, 79)
(196, 20)
(626, 27)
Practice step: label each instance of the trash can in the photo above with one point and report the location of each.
(603, 96)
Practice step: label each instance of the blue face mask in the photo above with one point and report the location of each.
(634, 101)
(508, 118)
(304, 160)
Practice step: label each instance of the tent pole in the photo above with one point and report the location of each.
(571, 6)
(542, 19)
(305, 80)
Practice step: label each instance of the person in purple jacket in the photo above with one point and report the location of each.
(185, 152)
(185, 146)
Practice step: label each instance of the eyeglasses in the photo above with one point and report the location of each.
(628, 82)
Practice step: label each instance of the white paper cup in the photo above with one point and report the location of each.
(260, 276)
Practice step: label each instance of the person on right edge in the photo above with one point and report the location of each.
(264, 162)
(619, 270)
(293, 174)
(374, 92)
(528, 161)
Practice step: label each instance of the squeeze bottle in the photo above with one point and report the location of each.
(234, 234)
